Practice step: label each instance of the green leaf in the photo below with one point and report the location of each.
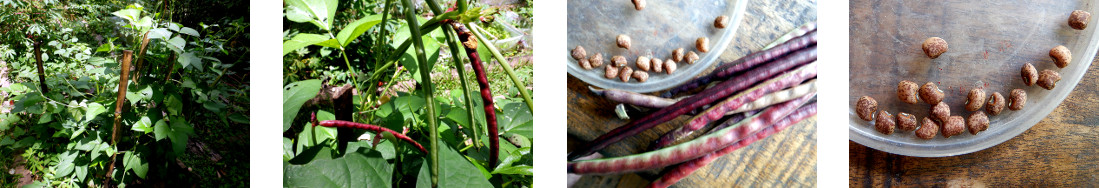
(293, 96)
(81, 172)
(516, 118)
(136, 162)
(144, 24)
(190, 60)
(454, 171)
(189, 31)
(65, 164)
(355, 29)
(239, 118)
(518, 170)
(318, 12)
(144, 125)
(94, 109)
(7, 120)
(355, 169)
(128, 14)
(287, 149)
(180, 134)
(159, 33)
(325, 133)
(213, 105)
(161, 130)
(331, 43)
(177, 44)
(301, 41)
(173, 104)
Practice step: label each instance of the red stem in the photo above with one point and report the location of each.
(721, 91)
(683, 170)
(752, 60)
(372, 128)
(470, 44)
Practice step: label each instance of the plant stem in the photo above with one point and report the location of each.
(503, 63)
(425, 77)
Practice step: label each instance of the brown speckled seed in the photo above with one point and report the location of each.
(940, 111)
(928, 129)
(976, 100)
(934, 46)
(906, 121)
(1061, 56)
(641, 76)
(906, 91)
(610, 72)
(931, 94)
(953, 125)
(655, 62)
(866, 107)
(618, 61)
(1048, 79)
(995, 104)
(670, 67)
(721, 22)
(691, 57)
(623, 41)
(625, 74)
(579, 53)
(1018, 99)
(586, 64)
(639, 4)
(596, 60)
(644, 63)
(1078, 19)
(677, 54)
(1029, 73)
(659, 66)
(703, 44)
(977, 122)
(884, 123)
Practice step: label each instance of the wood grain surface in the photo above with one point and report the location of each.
(1060, 151)
(785, 159)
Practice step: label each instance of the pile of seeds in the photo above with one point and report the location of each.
(939, 117)
(618, 68)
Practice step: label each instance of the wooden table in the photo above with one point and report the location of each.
(785, 159)
(1060, 151)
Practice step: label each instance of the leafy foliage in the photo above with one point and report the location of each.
(180, 91)
(367, 44)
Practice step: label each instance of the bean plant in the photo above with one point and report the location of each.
(72, 124)
(376, 64)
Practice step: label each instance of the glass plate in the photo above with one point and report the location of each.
(989, 43)
(655, 31)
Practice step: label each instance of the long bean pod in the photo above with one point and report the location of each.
(686, 151)
(747, 62)
(721, 91)
(745, 104)
(470, 44)
(681, 171)
(371, 128)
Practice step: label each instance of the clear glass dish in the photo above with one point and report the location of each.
(989, 43)
(662, 26)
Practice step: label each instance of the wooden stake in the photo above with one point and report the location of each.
(123, 79)
(41, 71)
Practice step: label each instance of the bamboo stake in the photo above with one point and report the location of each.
(123, 79)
